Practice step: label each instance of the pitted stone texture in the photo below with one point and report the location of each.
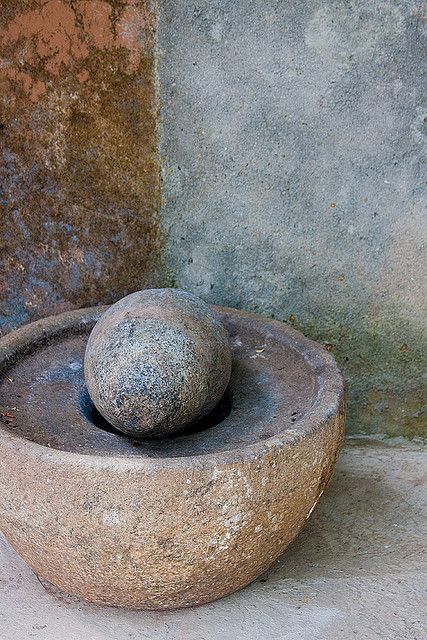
(157, 361)
(176, 525)
(363, 548)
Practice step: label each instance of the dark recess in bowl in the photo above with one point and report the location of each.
(215, 417)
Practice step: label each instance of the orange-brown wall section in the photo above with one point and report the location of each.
(79, 174)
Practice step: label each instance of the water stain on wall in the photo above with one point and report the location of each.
(79, 179)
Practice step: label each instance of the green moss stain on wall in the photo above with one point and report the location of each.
(383, 364)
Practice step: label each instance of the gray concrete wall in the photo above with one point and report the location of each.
(294, 179)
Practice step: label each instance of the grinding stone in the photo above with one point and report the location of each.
(161, 524)
(156, 361)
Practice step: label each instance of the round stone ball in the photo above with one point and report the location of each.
(157, 361)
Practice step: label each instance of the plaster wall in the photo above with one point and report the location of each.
(293, 149)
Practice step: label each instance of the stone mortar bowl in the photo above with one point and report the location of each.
(170, 523)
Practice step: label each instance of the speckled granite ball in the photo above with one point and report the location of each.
(156, 361)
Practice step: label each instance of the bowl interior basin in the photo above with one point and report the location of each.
(276, 382)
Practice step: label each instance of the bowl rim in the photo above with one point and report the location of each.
(328, 405)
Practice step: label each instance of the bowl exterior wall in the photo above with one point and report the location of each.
(115, 532)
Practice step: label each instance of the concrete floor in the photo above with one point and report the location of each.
(358, 570)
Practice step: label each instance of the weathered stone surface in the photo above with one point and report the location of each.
(171, 525)
(356, 571)
(156, 361)
(79, 173)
